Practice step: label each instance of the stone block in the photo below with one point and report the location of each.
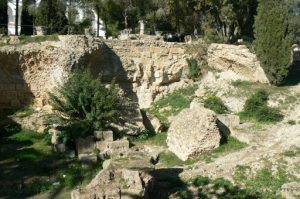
(87, 158)
(85, 145)
(107, 136)
(59, 148)
(118, 148)
(54, 136)
(102, 146)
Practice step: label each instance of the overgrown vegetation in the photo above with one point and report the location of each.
(29, 166)
(273, 23)
(84, 104)
(232, 144)
(194, 69)
(216, 104)
(256, 109)
(173, 103)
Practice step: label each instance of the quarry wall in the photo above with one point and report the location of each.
(145, 69)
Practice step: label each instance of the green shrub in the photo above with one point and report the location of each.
(292, 122)
(201, 181)
(84, 104)
(194, 70)
(256, 108)
(216, 104)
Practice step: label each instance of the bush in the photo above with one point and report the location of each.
(216, 104)
(201, 181)
(256, 108)
(194, 70)
(274, 37)
(85, 104)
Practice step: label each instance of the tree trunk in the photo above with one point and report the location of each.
(17, 18)
(33, 17)
(98, 21)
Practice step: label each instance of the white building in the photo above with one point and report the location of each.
(11, 11)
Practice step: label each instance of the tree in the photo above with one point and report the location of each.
(51, 15)
(26, 19)
(274, 38)
(3, 17)
(86, 102)
(17, 18)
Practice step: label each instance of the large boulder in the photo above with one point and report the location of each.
(193, 131)
(236, 58)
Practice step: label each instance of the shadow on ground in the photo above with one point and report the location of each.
(29, 167)
(293, 77)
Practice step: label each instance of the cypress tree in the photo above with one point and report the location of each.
(26, 20)
(274, 38)
(51, 14)
(3, 17)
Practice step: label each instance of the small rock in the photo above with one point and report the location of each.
(60, 148)
(85, 145)
(291, 190)
(87, 158)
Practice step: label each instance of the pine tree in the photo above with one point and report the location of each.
(274, 37)
(26, 19)
(3, 17)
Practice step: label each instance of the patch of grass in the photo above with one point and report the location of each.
(232, 144)
(221, 188)
(265, 182)
(292, 122)
(37, 39)
(25, 112)
(173, 103)
(292, 153)
(147, 137)
(169, 159)
(256, 109)
(27, 162)
(242, 84)
(247, 88)
(215, 104)
(201, 181)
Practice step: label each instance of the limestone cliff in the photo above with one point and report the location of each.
(144, 71)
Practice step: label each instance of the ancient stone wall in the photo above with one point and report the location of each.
(153, 67)
(144, 69)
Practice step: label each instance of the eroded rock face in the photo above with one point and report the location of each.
(193, 131)
(236, 58)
